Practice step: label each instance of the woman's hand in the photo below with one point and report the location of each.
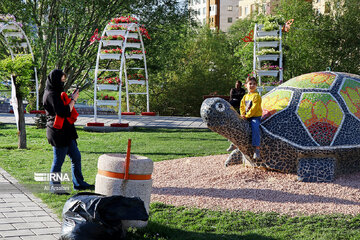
(243, 116)
(75, 95)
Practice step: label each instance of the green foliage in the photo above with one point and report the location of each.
(22, 68)
(200, 63)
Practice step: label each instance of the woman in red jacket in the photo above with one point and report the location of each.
(60, 129)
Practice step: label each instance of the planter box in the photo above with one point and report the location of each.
(112, 42)
(134, 56)
(273, 44)
(142, 82)
(107, 102)
(115, 56)
(124, 24)
(132, 45)
(23, 44)
(272, 73)
(13, 34)
(115, 32)
(113, 87)
(267, 33)
(133, 35)
(268, 57)
(10, 27)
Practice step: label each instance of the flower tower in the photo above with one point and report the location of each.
(17, 44)
(120, 61)
(268, 58)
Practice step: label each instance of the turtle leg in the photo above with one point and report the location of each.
(316, 169)
(235, 157)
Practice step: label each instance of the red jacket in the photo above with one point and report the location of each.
(59, 121)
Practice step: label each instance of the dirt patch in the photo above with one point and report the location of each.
(204, 182)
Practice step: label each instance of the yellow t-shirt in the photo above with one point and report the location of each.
(250, 105)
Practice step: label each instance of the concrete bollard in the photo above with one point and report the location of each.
(110, 180)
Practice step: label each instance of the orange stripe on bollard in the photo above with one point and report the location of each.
(122, 175)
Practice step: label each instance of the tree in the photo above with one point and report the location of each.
(21, 70)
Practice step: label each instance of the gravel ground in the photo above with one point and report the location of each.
(204, 182)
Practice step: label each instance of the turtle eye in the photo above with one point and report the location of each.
(220, 107)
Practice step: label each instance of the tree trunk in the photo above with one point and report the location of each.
(21, 117)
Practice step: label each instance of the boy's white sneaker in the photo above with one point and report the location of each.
(256, 154)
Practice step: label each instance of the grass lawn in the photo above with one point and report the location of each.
(168, 222)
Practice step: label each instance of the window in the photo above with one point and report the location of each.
(246, 11)
(240, 11)
(230, 20)
(204, 9)
(317, 1)
(230, 8)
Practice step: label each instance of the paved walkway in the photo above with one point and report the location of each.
(23, 216)
(134, 120)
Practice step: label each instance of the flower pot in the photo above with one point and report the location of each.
(107, 102)
(272, 73)
(113, 87)
(142, 82)
(134, 56)
(112, 42)
(23, 44)
(133, 35)
(115, 56)
(132, 45)
(115, 32)
(273, 44)
(269, 57)
(13, 34)
(267, 33)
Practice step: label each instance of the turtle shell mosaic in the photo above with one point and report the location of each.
(321, 107)
(310, 126)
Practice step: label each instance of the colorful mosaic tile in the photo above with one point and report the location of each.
(275, 102)
(350, 92)
(321, 115)
(322, 80)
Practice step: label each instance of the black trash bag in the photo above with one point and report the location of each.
(91, 216)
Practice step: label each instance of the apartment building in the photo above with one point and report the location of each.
(218, 14)
(247, 7)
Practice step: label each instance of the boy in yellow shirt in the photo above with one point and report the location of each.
(250, 109)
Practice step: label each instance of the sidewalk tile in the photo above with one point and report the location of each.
(44, 231)
(6, 227)
(17, 233)
(29, 225)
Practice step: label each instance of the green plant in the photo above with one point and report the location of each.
(266, 51)
(267, 38)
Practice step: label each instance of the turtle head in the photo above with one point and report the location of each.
(223, 119)
(217, 112)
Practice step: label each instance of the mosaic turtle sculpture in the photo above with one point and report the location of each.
(310, 126)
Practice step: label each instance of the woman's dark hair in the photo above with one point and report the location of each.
(249, 79)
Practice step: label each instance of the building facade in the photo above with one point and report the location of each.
(221, 14)
(218, 14)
